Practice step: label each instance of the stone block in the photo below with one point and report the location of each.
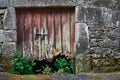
(100, 35)
(99, 50)
(97, 34)
(40, 3)
(10, 19)
(2, 11)
(95, 27)
(93, 43)
(104, 3)
(4, 3)
(10, 35)
(65, 2)
(118, 5)
(81, 38)
(114, 34)
(116, 16)
(116, 19)
(1, 36)
(82, 64)
(9, 48)
(79, 14)
(85, 14)
(116, 24)
(107, 18)
(109, 44)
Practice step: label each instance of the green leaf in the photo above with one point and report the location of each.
(60, 71)
(21, 64)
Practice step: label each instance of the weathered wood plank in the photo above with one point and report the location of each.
(72, 33)
(42, 23)
(28, 21)
(57, 32)
(36, 27)
(50, 33)
(19, 21)
(32, 34)
(23, 35)
(64, 31)
(45, 36)
(31, 31)
(68, 32)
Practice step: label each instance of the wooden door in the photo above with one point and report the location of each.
(45, 32)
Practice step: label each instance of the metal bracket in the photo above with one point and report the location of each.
(42, 34)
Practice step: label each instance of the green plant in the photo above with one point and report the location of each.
(21, 65)
(63, 65)
(47, 70)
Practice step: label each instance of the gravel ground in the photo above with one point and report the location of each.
(89, 76)
(71, 77)
(93, 76)
(3, 77)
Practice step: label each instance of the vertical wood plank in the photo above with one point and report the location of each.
(23, 27)
(19, 36)
(36, 27)
(25, 24)
(45, 32)
(42, 23)
(61, 32)
(50, 32)
(57, 32)
(68, 34)
(32, 34)
(20, 31)
(65, 32)
(28, 32)
(72, 32)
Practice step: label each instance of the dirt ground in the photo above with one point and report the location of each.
(106, 76)
(94, 76)
(24, 77)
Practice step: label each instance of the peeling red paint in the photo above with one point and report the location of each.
(28, 21)
(64, 17)
(42, 16)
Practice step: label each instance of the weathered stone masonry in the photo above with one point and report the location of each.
(7, 31)
(97, 30)
(103, 21)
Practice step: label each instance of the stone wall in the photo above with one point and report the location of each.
(7, 31)
(103, 51)
(97, 31)
(7, 37)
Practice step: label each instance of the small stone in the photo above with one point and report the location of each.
(9, 48)
(93, 43)
(10, 19)
(114, 34)
(4, 3)
(1, 36)
(10, 35)
(109, 44)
